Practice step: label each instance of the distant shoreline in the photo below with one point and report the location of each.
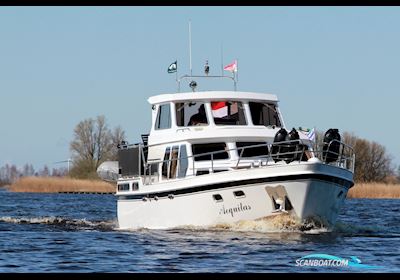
(374, 190)
(61, 185)
(69, 185)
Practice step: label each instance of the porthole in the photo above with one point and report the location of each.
(239, 194)
(218, 197)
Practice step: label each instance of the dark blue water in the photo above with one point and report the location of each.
(77, 233)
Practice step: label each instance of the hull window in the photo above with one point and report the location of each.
(217, 198)
(264, 114)
(228, 113)
(239, 194)
(218, 148)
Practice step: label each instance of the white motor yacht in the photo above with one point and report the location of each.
(219, 157)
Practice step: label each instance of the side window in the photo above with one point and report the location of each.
(244, 151)
(163, 120)
(166, 162)
(228, 113)
(191, 113)
(198, 149)
(123, 187)
(264, 114)
(174, 162)
(135, 186)
(183, 162)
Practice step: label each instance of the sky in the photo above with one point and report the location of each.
(331, 67)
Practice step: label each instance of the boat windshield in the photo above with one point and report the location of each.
(228, 113)
(264, 114)
(190, 113)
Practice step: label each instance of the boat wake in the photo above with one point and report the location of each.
(273, 224)
(72, 224)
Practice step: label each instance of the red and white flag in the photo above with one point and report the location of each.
(231, 67)
(219, 109)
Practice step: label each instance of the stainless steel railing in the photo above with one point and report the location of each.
(333, 153)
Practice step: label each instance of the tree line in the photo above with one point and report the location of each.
(10, 173)
(94, 142)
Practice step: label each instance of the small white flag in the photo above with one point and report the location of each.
(310, 133)
(173, 67)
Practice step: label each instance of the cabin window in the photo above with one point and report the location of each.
(123, 187)
(163, 117)
(174, 162)
(166, 162)
(228, 113)
(264, 114)
(135, 186)
(252, 151)
(190, 114)
(219, 148)
(183, 162)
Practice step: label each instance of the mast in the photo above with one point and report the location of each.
(222, 61)
(190, 46)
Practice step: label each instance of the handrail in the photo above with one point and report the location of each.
(345, 158)
(208, 76)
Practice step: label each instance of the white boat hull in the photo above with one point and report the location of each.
(315, 191)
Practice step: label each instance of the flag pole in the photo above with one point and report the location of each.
(222, 60)
(190, 46)
(176, 72)
(237, 70)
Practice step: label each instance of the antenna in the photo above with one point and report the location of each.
(190, 45)
(222, 60)
(68, 160)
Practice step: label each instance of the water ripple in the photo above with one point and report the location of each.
(79, 233)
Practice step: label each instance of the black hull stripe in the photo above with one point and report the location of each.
(321, 177)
